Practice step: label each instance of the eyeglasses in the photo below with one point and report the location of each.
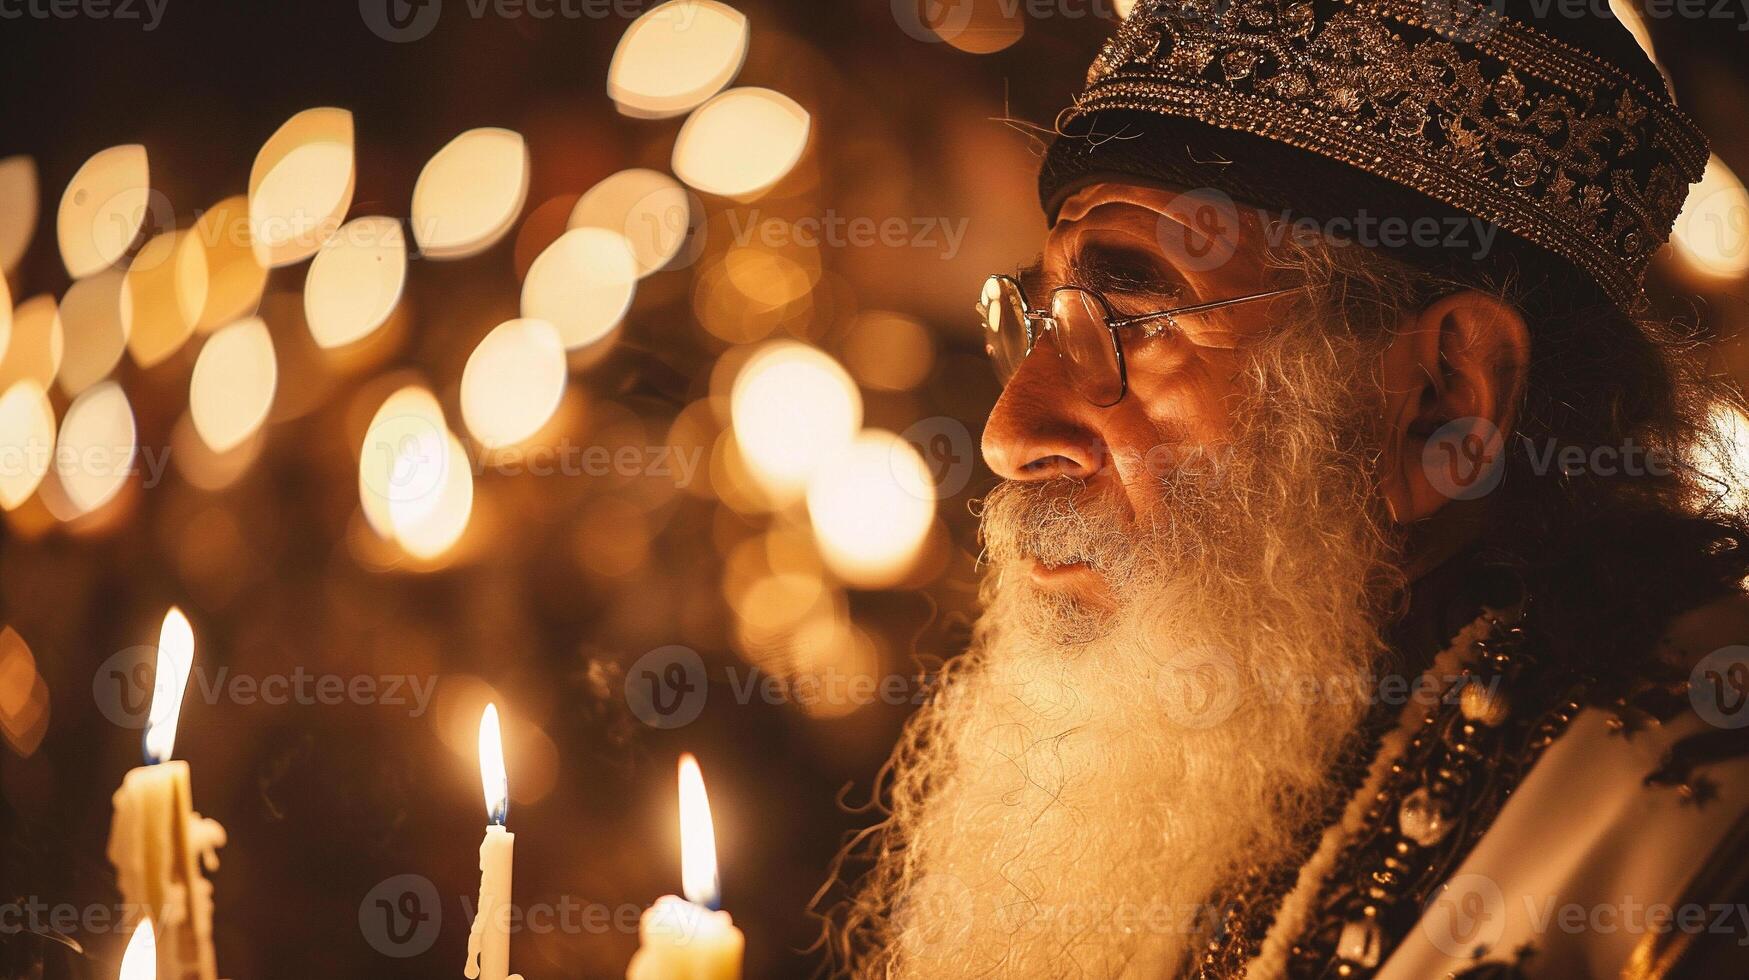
(1088, 337)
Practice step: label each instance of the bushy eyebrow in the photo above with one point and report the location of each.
(1112, 270)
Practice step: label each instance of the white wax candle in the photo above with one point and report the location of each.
(489, 940)
(158, 844)
(159, 847)
(683, 941)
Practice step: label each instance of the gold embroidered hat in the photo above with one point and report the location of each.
(1544, 120)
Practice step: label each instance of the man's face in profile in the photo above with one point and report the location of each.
(1163, 572)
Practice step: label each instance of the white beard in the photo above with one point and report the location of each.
(1085, 782)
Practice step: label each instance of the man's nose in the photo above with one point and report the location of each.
(1041, 428)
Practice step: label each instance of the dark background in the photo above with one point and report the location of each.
(548, 603)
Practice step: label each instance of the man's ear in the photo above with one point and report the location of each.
(1452, 382)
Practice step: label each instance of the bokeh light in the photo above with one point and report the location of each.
(649, 208)
(582, 284)
(1711, 236)
(513, 382)
(27, 441)
(95, 316)
(972, 26)
(18, 209)
(741, 142)
(430, 524)
(414, 479)
(95, 453)
(793, 406)
(24, 696)
(675, 56)
(102, 209)
(470, 193)
(235, 280)
(355, 281)
(166, 288)
(205, 469)
(888, 351)
(36, 345)
(301, 186)
(232, 387)
(872, 504)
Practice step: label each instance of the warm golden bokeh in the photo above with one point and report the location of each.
(166, 290)
(470, 193)
(676, 56)
(651, 210)
(95, 315)
(24, 696)
(741, 142)
(301, 186)
(232, 387)
(27, 440)
(793, 406)
(18, 209)
(872, 504)
(582, 284)
(1711, 237)
(102, 209)
(512, 383)
(355, 281)
(401, 455)
(427, 525)
(235, 279)
(37, 343)
(95, 453)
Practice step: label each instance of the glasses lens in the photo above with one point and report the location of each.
(1086, 344)
(1003, 310)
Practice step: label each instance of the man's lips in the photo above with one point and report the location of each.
(1068, 575)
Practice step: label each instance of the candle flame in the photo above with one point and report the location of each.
(698, 838)
(175, 660)
(492, 774)
(140, 962)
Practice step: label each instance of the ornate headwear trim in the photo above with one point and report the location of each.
(1449, 98)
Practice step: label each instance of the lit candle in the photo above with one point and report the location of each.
(157, 842)
(489, 939)
(690, 938)
(140, 962)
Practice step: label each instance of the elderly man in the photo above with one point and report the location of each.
(1359, 600)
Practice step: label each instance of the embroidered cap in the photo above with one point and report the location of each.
(1546, 123)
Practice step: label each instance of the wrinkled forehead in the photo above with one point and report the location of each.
(1197, 241)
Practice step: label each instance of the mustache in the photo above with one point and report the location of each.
(1057, 522)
